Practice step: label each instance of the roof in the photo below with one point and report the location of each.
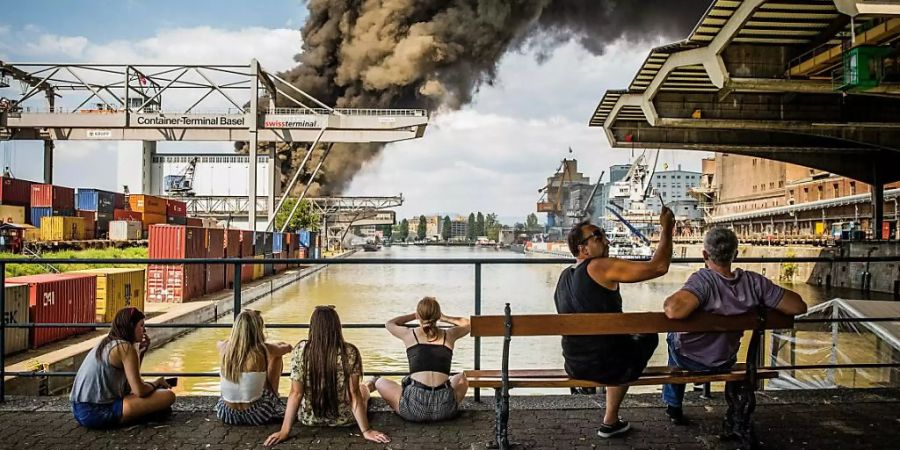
(781, 22)
(818, 204)
(23, 226)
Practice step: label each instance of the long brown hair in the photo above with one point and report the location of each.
(246, 345)
(429, 312)
(320, 357)
(121, 328)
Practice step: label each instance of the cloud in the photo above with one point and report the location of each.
(72, 47)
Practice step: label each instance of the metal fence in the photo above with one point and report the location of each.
(476, 263)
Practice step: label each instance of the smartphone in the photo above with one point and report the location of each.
(662, 204)
(172, 382)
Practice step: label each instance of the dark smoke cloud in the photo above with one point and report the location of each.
(435, 54)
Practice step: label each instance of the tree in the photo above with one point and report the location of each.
(492, 227)
(304, 218)
(386, 230)
(531, 223)
(422, 228)
(403, 232)
(479, 224)
(446, 228)
(470, 228)
(519, 227)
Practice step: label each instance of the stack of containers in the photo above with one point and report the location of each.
(16, 312)
(15, 200)
(176, 212)
(175, 283)
(59, 298)
(232, 250)
(215, 248)
(277, 250)
(152, 209)
(103, 204)
(49, 200)
(117, 288)
(246, 252)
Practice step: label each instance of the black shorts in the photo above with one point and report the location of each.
(623, 365)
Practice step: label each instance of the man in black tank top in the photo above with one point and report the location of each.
(592, 286)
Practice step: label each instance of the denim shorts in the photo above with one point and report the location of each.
(98, 415)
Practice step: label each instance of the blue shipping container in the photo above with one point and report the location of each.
(95, 200)
(37, 213)
(304, 238)
(277, 242)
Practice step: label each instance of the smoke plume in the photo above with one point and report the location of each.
(435, 54)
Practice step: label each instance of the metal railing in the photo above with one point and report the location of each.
(477, 263)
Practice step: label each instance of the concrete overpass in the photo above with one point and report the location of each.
(810, 82)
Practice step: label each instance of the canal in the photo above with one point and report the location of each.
(375, 293)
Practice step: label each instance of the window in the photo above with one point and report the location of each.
(772, 185)
(852, 188)
(781, 184)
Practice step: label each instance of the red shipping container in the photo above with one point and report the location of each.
(247, 244)
(215, 248)
(152, 219)
(176, 241)
(90, 223)
(175, 283)
(15, 192)
(885, 230)
(59, 298)
(119, 200)
(123, 214)
(194, 222)
(50, 196)
(176, 208)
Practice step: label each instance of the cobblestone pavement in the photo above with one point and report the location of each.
(820, 420)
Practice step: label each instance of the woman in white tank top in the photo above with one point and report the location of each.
(251, 369)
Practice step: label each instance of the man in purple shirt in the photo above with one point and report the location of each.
(717, 289)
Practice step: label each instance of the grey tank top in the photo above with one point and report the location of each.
(99, 381)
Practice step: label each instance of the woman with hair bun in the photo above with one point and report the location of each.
(429, 393)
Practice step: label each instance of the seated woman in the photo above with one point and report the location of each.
(100, 395)
(325, 381)
(251, 369)
(428, 393)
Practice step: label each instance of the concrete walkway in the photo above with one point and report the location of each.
(860, 419)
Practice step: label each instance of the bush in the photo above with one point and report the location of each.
(16, 270)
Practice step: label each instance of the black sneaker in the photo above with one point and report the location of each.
(608, 431)
(676, 415)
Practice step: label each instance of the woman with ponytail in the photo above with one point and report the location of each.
(325, 381)
(428, 393)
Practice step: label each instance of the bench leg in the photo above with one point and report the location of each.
(741, 399)
(501, 411)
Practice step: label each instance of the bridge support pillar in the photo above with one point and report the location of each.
(273, 184)
(48, 161)
(254, 142)
(148, 151)
(877, 202)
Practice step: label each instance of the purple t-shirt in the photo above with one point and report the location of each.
(726, 296)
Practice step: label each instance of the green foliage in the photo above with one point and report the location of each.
(492, 227)
(15, 270)
(386, 230)
(304, 218)
(421, 228)
(403, 232)
(470, 229)
(479, 224)
(446, 228)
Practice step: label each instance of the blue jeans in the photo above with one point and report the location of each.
(673, 394)
(98, 415)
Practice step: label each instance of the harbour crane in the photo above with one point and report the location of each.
(181, 185)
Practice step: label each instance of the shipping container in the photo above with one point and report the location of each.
(176, 283)
(194, 222)
(280, 267)
(176, 220)
(232, 250)
(258, 268)
(262, 242)
(50, 196)
(12, 214)
(124, 230)
(40, 212)
(215, 248)
(246, 244)
(59, 298)
(124, 214)
(97, 200)
(103, 220)
(147, 204)
(304, 238)
(176, 208)
(15, 312)
(14, 191)
(175, 241)
(90, 223)
(820, 228)
(269, 268)
(117, 288)
(278, 242)
(32, 234)
(151, 219)
(60, 228)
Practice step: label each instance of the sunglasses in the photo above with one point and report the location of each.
(598, 233)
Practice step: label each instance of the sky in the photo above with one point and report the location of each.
(491, 156)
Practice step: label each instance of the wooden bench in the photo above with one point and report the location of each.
(741, 381)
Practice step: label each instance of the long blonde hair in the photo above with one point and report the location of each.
(247, 344)
(429, 312)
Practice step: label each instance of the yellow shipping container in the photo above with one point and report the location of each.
(820, 228)
(16, 313)
(117, 288)
(58, 228)
(12, 214)
(32, 235)
(258, 268)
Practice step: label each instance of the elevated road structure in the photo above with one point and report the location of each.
(810, 82)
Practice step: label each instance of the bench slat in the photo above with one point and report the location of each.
(561, 373)
(491, 382)
(621, 323)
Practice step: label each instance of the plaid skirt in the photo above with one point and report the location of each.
(422, 403)
(266, 409)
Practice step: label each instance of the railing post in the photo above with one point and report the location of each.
(236, 286)
(3, 332)
(477, 313)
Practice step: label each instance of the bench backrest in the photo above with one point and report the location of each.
(621, 323)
